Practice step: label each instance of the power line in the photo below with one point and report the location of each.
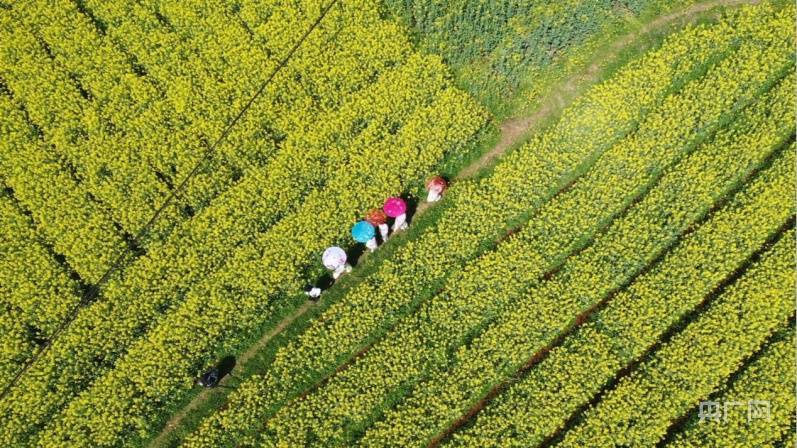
(91, 293)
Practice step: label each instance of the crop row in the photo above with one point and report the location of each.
(475, 214)
(169, 132)
(29, 280)
(220, 310)
(639, 409)
(133, 101)
(220, 58)
(440, 400)
(339, 143)
(765, 379)
(62, 217)
(75, 226)
(537, 405)
(337, 60)
(75, 129)
(484, 289)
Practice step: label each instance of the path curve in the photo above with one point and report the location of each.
(512, 131)
(515, 129)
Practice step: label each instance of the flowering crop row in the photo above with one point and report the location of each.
(37, 292)
(535, 406)
(75, 129)
(486, 287)
(229, 303)
(433, 404)
(474, 216)
(318, 78)
(640, 408)
(75, 226)
(197, 76)
(30, 278)
(201, 59)
(131, 99)
(766, 379)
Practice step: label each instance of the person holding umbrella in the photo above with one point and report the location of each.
(435, 186)
(364, 232)
(334, 259)
(378, 219)
(396, 208)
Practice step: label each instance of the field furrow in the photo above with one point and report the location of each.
(697, 360)
(539, 403)
(36, 291)
(62, 211)
(134, 101)
(76, 127)
(765, 379)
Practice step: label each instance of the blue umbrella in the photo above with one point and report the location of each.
(363, 231)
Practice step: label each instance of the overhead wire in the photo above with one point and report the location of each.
(92, 291)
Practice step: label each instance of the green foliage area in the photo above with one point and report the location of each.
(505, 49)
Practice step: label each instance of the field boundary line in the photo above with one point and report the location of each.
(588, 313)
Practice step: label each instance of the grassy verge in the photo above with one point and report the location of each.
(533, 88)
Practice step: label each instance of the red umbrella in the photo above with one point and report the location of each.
(376, 216)
(437, 182)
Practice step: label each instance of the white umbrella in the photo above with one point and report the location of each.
(333, 258)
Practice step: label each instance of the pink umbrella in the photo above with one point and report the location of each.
(394, 207)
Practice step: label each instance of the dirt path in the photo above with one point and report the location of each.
(512, 131)
(245, 357)
(515, 129)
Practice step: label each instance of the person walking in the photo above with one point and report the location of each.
(334, 259)
(364, 232)
(436, 186)
(378, 219)
(396, 208)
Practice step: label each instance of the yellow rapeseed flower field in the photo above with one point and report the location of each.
(172, 170)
